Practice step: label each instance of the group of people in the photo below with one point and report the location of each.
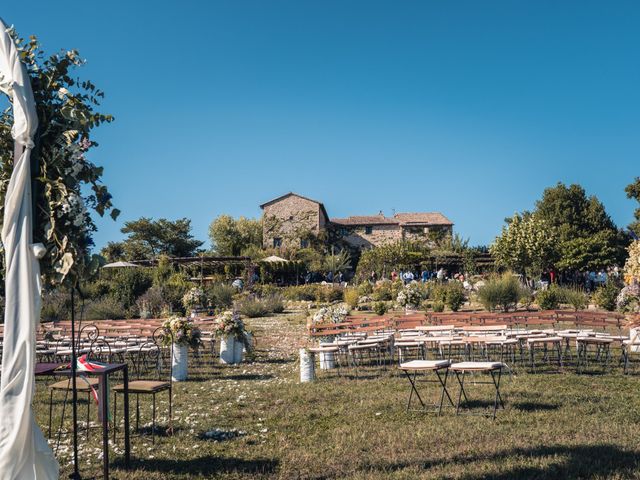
(591, 280)
(408, 276)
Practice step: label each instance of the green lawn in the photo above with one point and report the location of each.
(556, 425)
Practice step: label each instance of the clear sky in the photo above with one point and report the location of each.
(471, 108)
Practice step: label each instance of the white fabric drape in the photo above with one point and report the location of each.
(24, 452)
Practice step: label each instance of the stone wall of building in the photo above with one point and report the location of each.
(358, 237)
(422, 233)
(289, 219)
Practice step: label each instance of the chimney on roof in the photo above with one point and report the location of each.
(381, 213)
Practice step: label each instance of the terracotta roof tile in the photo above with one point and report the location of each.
(424, 218)
(365, 220)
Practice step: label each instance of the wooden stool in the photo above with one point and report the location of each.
(493, 368)
(554, 342)
(426, 366)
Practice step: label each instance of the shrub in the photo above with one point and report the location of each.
(500, 291)
(549, 299)
(151, 304)
(380, 308)
(455, 296)
(576, 297)
(274, 303)
(129, 283)
(526, 297)
(220, 295)
(95, 290)
(263, 290)
(438, 292)
(606, 295)
(107, 308)
(351, 297)
(329, 294)
(365, 289)
(301, 293)
(55, 306)
(438, 306)
(450, 294)
(383, 292)
(252, 307)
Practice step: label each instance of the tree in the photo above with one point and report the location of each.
(113, 252)
(68, 189)
(633, 192)
(398, 255)
(233, 237)
(587, 237)
(527, 244)
(148, 238)
(337, 262)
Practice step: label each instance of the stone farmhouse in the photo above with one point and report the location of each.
(290, 219)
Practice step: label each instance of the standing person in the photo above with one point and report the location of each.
(407, 277)
(440, 274)
(425, 276)
(339, 278)
(373, 278)
(394, 275)
(592, 280)
(330, 277)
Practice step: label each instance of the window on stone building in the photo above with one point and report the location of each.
(368, 230)
(277, 242)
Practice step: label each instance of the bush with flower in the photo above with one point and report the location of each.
(411, 295)
(632, 265)
(181, 331)
(628, 299)
(194, 298)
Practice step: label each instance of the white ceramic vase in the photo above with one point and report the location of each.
(231, 350)
(327, 360)
(179, 366)
(307, 366)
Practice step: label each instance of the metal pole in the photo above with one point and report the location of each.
(74, 392)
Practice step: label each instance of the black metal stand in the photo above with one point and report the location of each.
(74, 392)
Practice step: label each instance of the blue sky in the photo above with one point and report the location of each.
(469, 108)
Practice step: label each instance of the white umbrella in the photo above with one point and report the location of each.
(274, 259)
(24, 452)
(120, 265)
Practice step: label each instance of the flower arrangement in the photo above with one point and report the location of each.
(410, 296)
(334, 314)
(182, 331)
(230, 324)
(195, 297)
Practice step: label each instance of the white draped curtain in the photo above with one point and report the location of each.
(24, 452)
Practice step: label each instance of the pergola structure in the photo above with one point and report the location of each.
(206, 264)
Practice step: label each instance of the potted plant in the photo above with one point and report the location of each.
(183, 334)
(234, 338)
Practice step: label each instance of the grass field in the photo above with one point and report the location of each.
(556, 425)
